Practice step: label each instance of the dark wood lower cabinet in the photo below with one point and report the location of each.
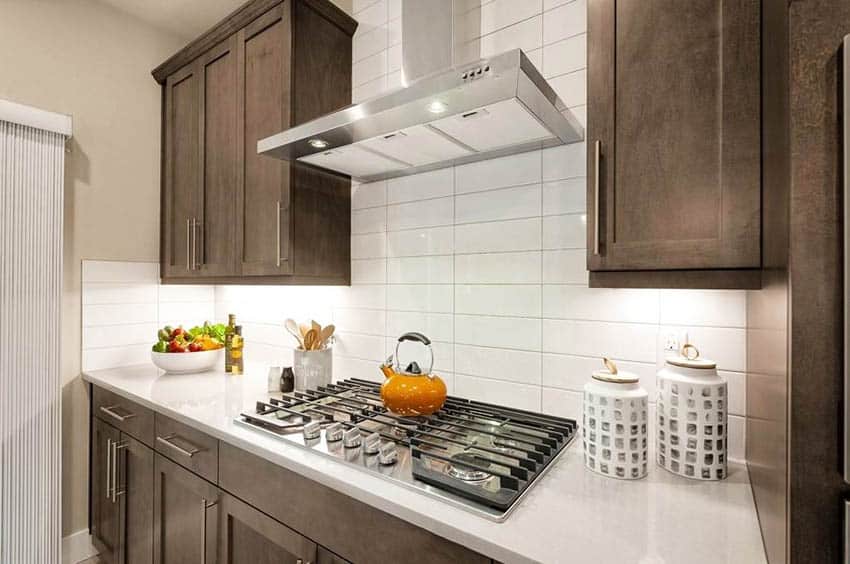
(249, 536)
(121, 487)
(185, 515)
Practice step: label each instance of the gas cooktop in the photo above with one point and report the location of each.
(479, 456)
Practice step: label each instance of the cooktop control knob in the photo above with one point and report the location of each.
(333, 432)
(311, 430)
(372, 443)
(351, 438)
(387, 454)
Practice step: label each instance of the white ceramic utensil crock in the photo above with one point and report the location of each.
(614, 424)
(691, 430)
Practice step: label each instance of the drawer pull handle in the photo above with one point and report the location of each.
(204, 508)
(115, 447)
(597, 157)
(108, 465)
(109, 411)
(169, 440)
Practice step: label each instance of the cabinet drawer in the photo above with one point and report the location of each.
(126, 415)
(188, 447)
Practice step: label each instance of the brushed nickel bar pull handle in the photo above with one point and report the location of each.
(109, 411)
(108, 464)
(194, 244)
(168, 440)
(188, 243)
(596, 169)
(277, 254)
(115, 446)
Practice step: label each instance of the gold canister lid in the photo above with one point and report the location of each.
(613, 375)
(689, 358)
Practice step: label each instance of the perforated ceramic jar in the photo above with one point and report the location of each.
(614, 424)
(691, 430)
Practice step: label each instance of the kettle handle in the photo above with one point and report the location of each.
(414, 336)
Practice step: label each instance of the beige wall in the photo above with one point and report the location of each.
(83, 58)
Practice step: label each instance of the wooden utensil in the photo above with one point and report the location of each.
(310, 340)
(303, 328)
(325, 335)
(292, 329)
(316, 327)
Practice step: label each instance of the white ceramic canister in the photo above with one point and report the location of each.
(691, 428)
(614, 424)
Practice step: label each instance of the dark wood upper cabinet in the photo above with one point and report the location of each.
(673, 143)
(230, 215)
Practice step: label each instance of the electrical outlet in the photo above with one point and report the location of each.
(671, 343)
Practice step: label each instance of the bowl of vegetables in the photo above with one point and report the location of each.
(181, 351)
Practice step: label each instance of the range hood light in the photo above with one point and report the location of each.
(437, 107)
(318, 143)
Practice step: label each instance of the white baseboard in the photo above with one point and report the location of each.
(77, 547)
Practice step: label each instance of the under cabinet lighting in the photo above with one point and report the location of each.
(317, 143)
(437, 107)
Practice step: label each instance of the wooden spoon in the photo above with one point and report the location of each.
(303, 328)
(310, 340)
(292, 329)
(316, 327)
(325, 335)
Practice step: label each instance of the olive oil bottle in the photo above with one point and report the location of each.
(229, 332)
(236, 356)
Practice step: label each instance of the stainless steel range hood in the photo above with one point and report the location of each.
(458, 112)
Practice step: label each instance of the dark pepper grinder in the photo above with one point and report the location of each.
(287, 380)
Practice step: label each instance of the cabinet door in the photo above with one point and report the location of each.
(249, 536)
(105, 512)
(214, 228)
(264, 226)
(673, 139)
(181, 167)
(185, 515)
(328, 557)
(135, 486)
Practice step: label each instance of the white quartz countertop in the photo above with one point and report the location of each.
(570, 515)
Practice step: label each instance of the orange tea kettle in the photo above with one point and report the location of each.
(409, 392)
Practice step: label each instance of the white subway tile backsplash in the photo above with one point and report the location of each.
(627, 341)
(364, 321)
(394, 60)
(499, 14)
(369, 89)
(368, 195)
(370, 14)
(511, 394)
(354, 345)
(115, 271)
(519, 333)
(106, 336)
(421, 242)
(564, 196)
(726, 346)
(112, 357)
(514, 170)
(720, 308)
(569, 372)
(369, 69)
(571, 88)
(498, 364)
(565, 56)
(565, 267)
(565, 231)
(580, 114)
(600, 304)
(357, 6)
(421, 270)
(420, 297)
(498, 205)
(394, 9)
(437, 326)
(368, 271)
(433, 184)
(565, 21)
(498, 236)
(369, 43)
(370, 245)
(371, 220)
(564, 161)
(425, 213)
(498, 268)
(119, 314)
(395, 31)
(369, 296)
(113, 293)
(186, 293)
(511, 300)
(561, 403)
(526, 35)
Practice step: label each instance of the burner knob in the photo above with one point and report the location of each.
(387, 454)
(372, 443)
(311, 430)
(333, 432)
(351, 437)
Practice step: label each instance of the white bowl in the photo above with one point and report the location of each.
(188, 362)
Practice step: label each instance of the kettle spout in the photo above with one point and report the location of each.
(387, 368)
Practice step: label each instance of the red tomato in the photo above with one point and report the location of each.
(195, 347)
(175, 347)
(178, 331)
